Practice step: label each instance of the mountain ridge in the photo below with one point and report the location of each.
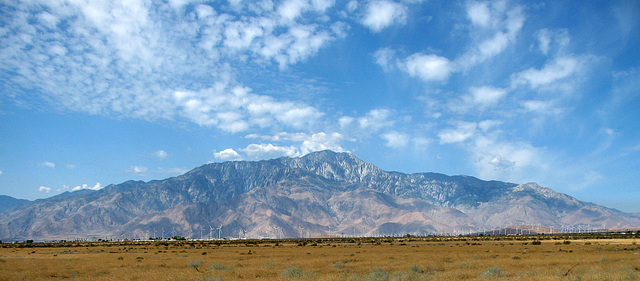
(322, 193)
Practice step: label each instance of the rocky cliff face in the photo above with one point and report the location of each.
(323, 193)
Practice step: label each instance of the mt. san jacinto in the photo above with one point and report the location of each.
(321, 194)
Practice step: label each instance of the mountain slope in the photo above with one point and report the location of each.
(323, 193)
(7, 203)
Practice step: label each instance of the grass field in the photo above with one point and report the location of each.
(499, 258)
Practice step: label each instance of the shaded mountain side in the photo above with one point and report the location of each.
(8, 203)
(323, 193)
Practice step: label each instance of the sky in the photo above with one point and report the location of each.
(94, 92)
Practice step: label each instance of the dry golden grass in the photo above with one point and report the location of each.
(365, 259)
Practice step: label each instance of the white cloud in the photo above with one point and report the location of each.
(322, 5)
(302, 144)
(322, 141)
(554, 71)
(160, 154)
(428, 67)
(381, 14)
(48, 164)
(128, 58)
(227, 155)
(352, 6)
(291, 9)
(479, 13)
(269, 151)
(0, 173)
(590, 178)
(549, 107)
(395, 139)
(494, 25)
(237, 109)
(511, 161)
(138, 169)
(97, 186)
(44, 189)
(373, 121)
(544, 39)
(549, 40)
(487, 125)
(384, 57)
(479, 98)
(462, 132)
(486, 96)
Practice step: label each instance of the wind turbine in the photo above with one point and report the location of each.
(220, 232)
(278, 229)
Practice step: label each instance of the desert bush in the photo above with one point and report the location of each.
(492, 272)
(378, 275)
(338, 265)
(293, 272)
(195, 265)
(218, 266)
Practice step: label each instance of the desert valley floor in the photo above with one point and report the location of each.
(407, 258)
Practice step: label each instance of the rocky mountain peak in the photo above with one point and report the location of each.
(323, 192)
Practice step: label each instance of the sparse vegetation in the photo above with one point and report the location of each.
(431, 258)
(293, 272)
(218, 266)
(492, 272)
(195, 265)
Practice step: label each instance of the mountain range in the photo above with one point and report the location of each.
(321, 194)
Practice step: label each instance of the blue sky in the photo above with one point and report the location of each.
(94, 93)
